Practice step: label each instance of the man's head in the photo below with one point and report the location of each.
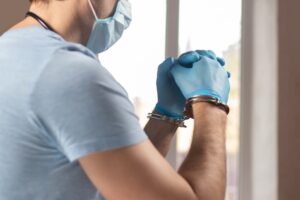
(98, 24)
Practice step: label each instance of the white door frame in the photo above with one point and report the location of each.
(259, 106)
(172, 48)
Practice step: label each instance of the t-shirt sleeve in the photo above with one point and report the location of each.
(83, 108)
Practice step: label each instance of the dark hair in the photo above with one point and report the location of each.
(42, 1)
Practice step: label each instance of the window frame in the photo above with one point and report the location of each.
(172, 50)
(257, 165)
(259, 101)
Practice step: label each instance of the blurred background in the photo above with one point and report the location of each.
(259, 40)
(203, 24)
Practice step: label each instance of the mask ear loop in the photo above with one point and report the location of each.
(93, 10)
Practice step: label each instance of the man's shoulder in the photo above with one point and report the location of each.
(73, 64)
(67, 53)
(71, 59)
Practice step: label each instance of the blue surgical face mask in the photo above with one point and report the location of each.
(106, 32)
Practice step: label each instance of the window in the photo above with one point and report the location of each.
(204, 24)
(134, 59)
(215, 25)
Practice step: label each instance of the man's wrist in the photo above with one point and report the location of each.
(202, 108)
(189, 110)
(168, 120)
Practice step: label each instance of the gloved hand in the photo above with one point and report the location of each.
(201, 73)
(187, 59)
(171, 102)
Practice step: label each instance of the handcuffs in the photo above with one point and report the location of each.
(188, 111)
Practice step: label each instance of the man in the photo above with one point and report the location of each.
(68, 130)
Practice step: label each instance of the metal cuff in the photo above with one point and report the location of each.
(215, 101)
(176, 122)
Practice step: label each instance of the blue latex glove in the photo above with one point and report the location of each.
(171, 102)
(201, 73)
(189, 58)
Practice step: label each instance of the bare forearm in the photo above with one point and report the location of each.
(205, 165)
(160, 134)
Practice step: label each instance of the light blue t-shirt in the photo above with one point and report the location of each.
(57, 104)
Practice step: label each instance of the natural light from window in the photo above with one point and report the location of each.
(204, 24)
(215, 25)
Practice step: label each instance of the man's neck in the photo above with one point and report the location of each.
(67, 20)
